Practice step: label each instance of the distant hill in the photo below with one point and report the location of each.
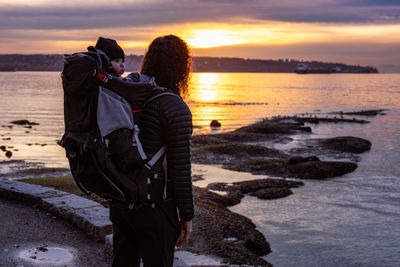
(200, 64)
(223, 64)
(388, 68)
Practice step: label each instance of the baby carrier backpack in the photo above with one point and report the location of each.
(91, 112)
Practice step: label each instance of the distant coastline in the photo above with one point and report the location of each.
(39, 62)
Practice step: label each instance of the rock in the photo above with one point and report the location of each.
(216, 226)
(234, 148)
(215, 123)
(272, 193)
(239, 136)
(299, 159)
(232, 198)
(24, 122)
(221, 187)
(260, 166)
(209, 139)
(273, 127)
(256, 247)
(316, 119)
(306, 129)
(237, 253)
(347, 144)
(320, 169)
(261, 188)
(258, 184)
(8, 154)
(313, 120)
(42, 248)
(197, 178)
(242, 136)
(370, 112)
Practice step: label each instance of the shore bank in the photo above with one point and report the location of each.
(256, 149)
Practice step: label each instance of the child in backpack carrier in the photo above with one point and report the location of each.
(120, 137)
(118, 115)
(114, 53)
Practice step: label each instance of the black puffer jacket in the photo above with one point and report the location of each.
(166, 120)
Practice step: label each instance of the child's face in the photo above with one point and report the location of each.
(118, 66)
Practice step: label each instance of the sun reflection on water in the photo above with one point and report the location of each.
(237, 99)
(206, 85)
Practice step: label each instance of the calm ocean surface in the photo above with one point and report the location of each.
(353, 220)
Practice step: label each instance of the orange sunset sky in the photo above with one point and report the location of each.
(365, 32)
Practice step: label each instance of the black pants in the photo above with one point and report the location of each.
(148, 233)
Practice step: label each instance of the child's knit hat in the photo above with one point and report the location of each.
(110, 48)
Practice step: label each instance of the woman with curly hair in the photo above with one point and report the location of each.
(168, 60)
(151, 232)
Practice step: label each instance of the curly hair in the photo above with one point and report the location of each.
(168, 60)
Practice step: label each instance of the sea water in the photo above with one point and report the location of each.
(352, 220)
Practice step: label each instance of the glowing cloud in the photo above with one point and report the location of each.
(213, 38)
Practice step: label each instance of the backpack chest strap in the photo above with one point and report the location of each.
(156, 157)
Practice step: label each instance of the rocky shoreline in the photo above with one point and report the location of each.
(232, 237)
(234, 151)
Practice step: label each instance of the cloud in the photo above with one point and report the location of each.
(107, 15)
(329, 30)
(373, 2)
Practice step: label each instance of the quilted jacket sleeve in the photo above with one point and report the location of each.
(178, 134)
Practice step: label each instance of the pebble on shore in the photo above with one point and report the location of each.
(24, 122)
(215, 123)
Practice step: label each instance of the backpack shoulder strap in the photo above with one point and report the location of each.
(157, 156)
(162, 151)
(164, 93)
